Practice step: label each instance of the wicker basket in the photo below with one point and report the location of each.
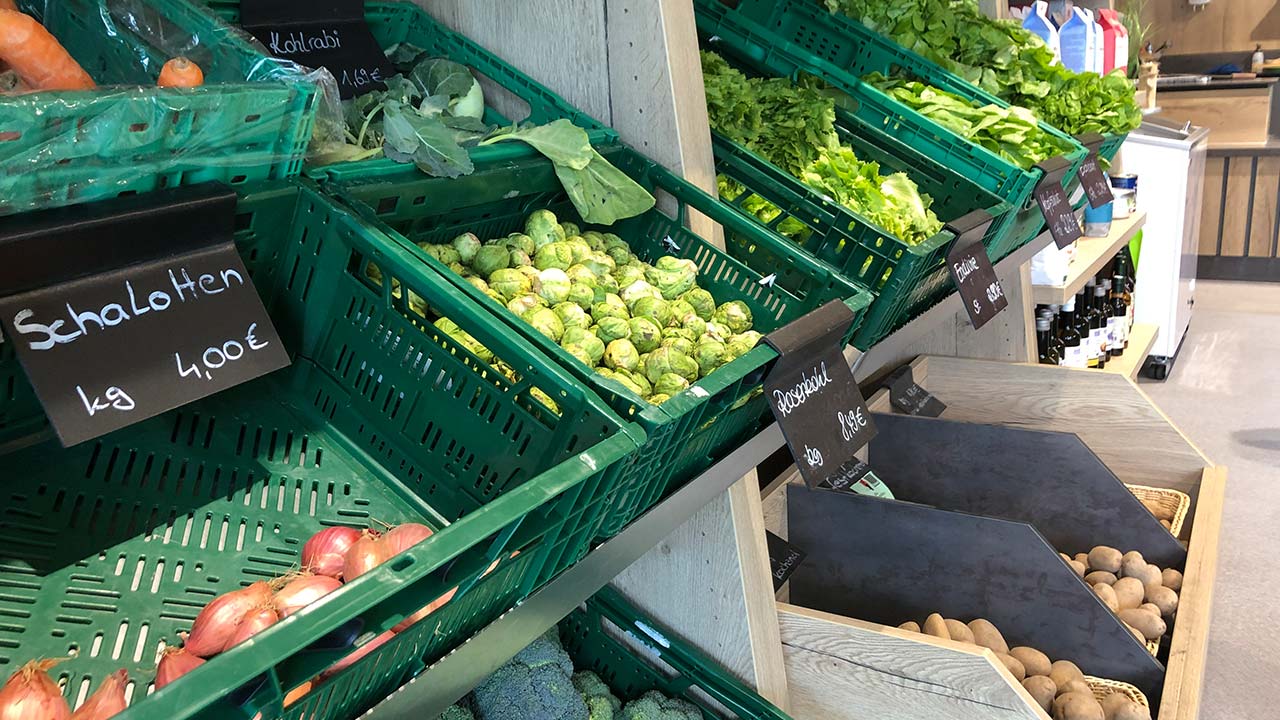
(1165, 504)
(1102, 688)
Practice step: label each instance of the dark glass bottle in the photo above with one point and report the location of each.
(1073, 352)
(1047, 354)
(1119, 320)
(1098, 316)
(1055, 332)
(1090, 331)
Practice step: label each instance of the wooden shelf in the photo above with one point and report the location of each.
(1141, 338)
(1091, 255)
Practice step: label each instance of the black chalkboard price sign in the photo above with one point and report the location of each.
(122, 310)
(784, 558)
(813, 393)
(980, 290)
(1058, 214)
(1094, 182)
(906, 396)
(331, 34)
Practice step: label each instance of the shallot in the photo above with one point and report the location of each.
(258, 619)
(326, 552)
(351, 659)
(430, 608)
(302, 590)
(175, 663)
(215, 626)
(30, 694)
(403, 537)
(108, 701)
(365, 554)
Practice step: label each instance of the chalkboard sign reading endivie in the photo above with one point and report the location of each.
(980, 290)
(330, 34)
(124, 309)
(1094, 181)
(813, 393)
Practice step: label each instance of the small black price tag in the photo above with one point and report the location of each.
(1061, 219)
(856, 476)
(908, 397)
(1094, 182)
(976, 280)
(125, 309)
(331, 34)
(813, 393)
(784, 558)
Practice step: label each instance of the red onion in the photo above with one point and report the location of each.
(108, 701)
(326, 552)
(175, 663)
(212, 631)
(351, 659)
(303, 590)
(256, 621)
(365, 554)
(30, 694)
(403, 537)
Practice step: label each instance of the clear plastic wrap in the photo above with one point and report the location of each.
(252, 119)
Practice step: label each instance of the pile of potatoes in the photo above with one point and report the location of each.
(1059, 687)
(1143, 596)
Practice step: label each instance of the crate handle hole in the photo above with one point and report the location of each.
(10, 136)
(402, 563)
(252, 118)
(138, 127)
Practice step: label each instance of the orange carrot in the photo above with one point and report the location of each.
(38, 57)
(8, 5)
(181, 72)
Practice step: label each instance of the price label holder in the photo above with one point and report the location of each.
(1095, 184)
(1052, 199)
(813, 394)
(856, 476)
(909, 398)
(124, 309)
(331, 34)
(784, 558)
(971, 271)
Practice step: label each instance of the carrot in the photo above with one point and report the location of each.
(181, 72)
(8, 5)
(38, 57)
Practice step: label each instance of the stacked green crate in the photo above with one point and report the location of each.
(117, 543)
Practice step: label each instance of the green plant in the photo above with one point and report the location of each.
(1131, 14)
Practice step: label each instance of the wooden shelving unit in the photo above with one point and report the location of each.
(1091, 255)
(1141, 338)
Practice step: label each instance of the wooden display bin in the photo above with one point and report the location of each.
(968, 566)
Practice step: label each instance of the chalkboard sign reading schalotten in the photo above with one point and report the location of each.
(1094, 182)
(331, 34)
(813, 393)
(122, 310)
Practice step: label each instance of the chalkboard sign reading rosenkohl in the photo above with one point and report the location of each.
(813, 393)
(131, 311)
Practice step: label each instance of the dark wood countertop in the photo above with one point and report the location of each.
(1222, 84)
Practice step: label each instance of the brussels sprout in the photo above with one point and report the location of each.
(519, 258)
(620, 255)
(656, 309)
(608, 283)
(586, 340)
(734, 315)
(570, 229)
(444, 253)
(604, 372)
(478, 283)
(467, 245)
(542, 227)
(621, 354)
(571, 315)
(490, 259)
(580, 273)
(679, 332)
(594, 240)
(613, 241)
(740, 345)
(495, 296)
(718, 331)
(556, 254)
(628, 382)
(645, 334)
(583, 295)
(447, 326)
(680, 308)
(545, 321)
(658, 398)
(632, 293)
(580, 354)
(641, 382)
(457, 269)
(545, 399)
(525, 303)
(683, 345)
(666, 360)
(670, 384)
(599, 263)
(522, 242)
(673, 276)
(510, 283)
(701, 301)
(614, 328)
(694, 324)
(709, 354)
(555, 286)
(579, 250)
(629, 274)
(611, 306)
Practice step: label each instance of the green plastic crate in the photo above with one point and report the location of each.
(251, 121)
(522, 98)
(654, 659)
(691, 431)
(1111, 146)
(798, 36)
(115, 544)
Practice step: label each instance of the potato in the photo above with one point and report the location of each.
(1015, 667)
(1163, 598)
(1129, 592)
(1129, 710)
(1107, 595)
(1042, 690)
(1036, 662)
(986, 635)
(1171, 579)
(1082, 558)
(1078, 685)
(911, 625)
(1105, 558)
(1080, 707)
(1079, 568)
(1063, 672)
(1065, 557)
(1137, 635)
(1167, 525)
(959, 631)
(1150, 625)
(934, 625)
(1132, 564)
(1151, 575)
(1100, 576)
(1150, 607)
(1113, 701)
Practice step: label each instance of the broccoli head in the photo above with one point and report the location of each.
(536, 684)
(456, 712)
(601, 703)
(653, 705)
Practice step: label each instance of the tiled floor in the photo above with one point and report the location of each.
(1223, 393)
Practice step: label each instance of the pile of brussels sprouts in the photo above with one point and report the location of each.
(648, 327)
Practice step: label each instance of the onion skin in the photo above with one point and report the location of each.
(326, 552)
(256, 621)
(440, 602)
(403, 537)
(216, 625)
(351, 659)
(30, 694)
(302, 591)
(107, 701)
(365, 554)
(298, 693)
(175, 663)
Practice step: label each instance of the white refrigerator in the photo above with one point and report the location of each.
(1168, 157)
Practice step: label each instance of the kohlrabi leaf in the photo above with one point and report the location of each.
(424, 141)
(602, 193)
(439, 76)
(560, 140)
